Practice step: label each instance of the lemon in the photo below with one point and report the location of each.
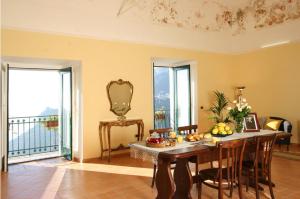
(221, 128)
(223, 132)
(227, 128)
(215, 131)
(221, 124)
(229, 132)
(172, 134)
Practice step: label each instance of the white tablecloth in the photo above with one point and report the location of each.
(139, 150)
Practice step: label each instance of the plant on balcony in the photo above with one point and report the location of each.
(51, 122)
(160, 115)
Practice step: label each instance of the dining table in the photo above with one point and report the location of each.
(179, 185)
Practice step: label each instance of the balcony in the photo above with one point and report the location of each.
(33, 137)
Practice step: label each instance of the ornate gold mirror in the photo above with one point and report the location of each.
(119, 94)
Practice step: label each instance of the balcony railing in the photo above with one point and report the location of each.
(33, 135)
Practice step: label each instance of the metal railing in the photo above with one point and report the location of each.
(33, 135)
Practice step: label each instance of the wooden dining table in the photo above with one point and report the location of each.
(179, 185)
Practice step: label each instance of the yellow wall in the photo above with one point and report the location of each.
(271, 77)
(103, 61)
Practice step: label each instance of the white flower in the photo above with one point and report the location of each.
(244, 100)
(240, 109)
(229, 108)
(249, 107)
(234, 101)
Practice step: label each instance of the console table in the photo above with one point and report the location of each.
(105, 127)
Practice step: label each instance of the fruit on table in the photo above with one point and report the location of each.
(221, 129)
(155, 140)
(172, 134)
(215, 131)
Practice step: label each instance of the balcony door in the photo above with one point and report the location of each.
(39, 113)
(66, 113)
(172, 96)
(4, 116)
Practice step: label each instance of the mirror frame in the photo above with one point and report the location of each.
(119, 82)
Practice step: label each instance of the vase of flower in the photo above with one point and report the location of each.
(239, 112)
(239, 126)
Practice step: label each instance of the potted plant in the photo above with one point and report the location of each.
(220, 116)
(218, 108)
(51, 122)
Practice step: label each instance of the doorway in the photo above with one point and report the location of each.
(39, 114)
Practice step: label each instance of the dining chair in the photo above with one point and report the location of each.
(185, 130)
(163, 132)
(232, 152)
(260, 167)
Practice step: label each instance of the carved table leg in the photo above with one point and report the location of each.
(101, 139)
(142, 128)
(109, 145)
(164, 181)
(183, 179)
(139, 131)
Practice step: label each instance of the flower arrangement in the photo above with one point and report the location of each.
(240, 110)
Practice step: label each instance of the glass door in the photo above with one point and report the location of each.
(66, 113)
(171, 96)
(4, 118)
(182, 96)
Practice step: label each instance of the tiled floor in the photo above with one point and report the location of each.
(123, 178)
(293, 149)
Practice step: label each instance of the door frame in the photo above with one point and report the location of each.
(4, 118)
(53, 64)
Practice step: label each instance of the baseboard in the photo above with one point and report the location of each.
(115, 155)
(76, 159)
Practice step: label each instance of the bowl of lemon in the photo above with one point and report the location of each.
(221, 130)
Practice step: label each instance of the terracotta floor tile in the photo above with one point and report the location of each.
(64, 180)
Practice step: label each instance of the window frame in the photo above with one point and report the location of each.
(174, 69)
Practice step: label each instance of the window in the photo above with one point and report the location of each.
(172, 96)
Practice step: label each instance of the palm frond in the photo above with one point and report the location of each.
(218, 107)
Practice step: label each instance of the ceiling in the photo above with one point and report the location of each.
(209, 25)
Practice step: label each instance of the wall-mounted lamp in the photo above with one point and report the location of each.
(240, 93)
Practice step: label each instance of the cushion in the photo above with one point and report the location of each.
(272, 124)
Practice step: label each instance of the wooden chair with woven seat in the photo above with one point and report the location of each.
(260, 167)
(232, 152)
(163, 132)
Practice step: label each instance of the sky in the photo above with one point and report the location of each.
(31, 91)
